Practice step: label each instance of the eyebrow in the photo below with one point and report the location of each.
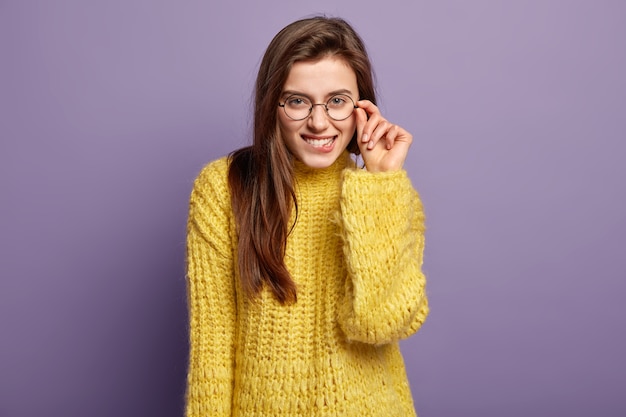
(343, 91)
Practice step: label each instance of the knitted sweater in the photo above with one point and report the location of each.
(355, 255)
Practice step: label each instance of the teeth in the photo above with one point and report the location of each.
(319, 142)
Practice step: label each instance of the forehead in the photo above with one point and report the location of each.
(321, 77)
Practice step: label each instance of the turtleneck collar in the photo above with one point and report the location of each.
(304, 172)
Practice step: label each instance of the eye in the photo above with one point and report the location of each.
(338, 101)
(297, 101)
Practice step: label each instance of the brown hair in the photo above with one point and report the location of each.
(261, 176)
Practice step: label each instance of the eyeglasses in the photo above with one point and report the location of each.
(338, 107)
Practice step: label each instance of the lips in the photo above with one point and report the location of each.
(319, 142)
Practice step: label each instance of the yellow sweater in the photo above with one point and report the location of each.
(355, 255)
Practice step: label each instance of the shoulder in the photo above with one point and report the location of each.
(211, 185)
(214, 170)
(213, 175)
(210, 207)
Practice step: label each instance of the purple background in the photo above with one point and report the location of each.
(109, 109)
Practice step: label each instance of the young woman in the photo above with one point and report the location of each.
(304, 270)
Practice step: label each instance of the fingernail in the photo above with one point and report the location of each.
(370, 145)
(364, 138)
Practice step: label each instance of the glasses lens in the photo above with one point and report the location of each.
(340, 107)
(297, 107)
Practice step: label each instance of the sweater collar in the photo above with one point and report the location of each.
(304, 172)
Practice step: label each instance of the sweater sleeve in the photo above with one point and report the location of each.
(210, 296)
(383, 232)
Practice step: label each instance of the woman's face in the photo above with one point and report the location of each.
(318, 140)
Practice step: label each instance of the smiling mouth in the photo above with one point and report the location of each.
(320, 143)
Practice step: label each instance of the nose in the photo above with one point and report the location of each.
(318, 119)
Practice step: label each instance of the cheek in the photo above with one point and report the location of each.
(285, 124)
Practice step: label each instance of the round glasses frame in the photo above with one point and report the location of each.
(342, 96)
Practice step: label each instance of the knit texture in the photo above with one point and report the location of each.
(355, 254)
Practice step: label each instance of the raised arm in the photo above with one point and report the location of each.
(383, 232)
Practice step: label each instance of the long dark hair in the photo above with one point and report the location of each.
(261, 176)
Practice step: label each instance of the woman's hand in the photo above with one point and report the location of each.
(383, 145)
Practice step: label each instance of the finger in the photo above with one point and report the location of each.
(372, 115)
(380, 131)
(361, 121)
(391, 135)
(403, 136)
(370, 127)
(368, 106)
(396, 134)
